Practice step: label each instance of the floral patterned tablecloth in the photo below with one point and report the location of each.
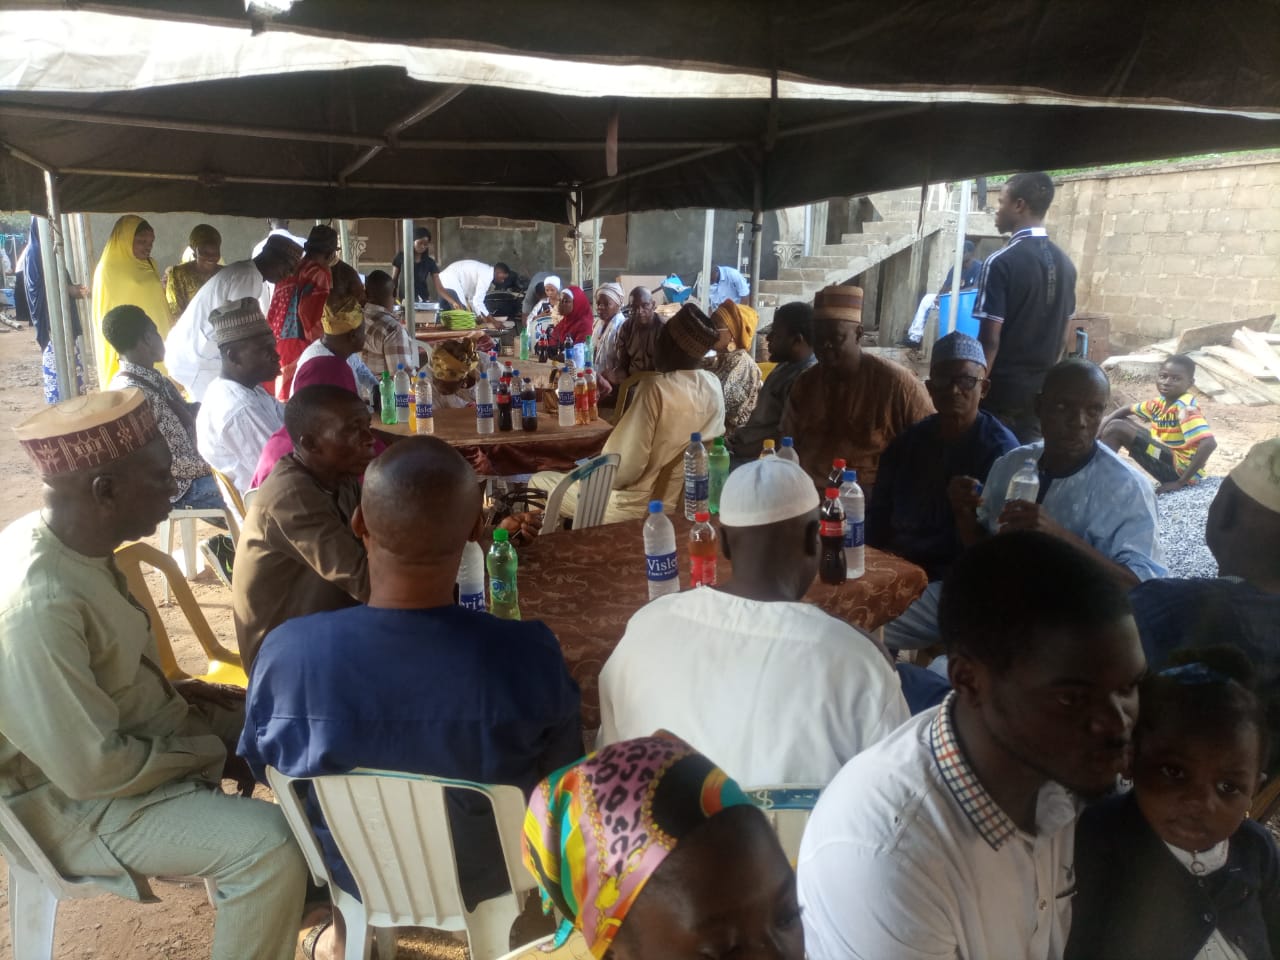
(586, 584)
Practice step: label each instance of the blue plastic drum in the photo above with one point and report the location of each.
(964, 314)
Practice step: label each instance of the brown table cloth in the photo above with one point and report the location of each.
(586, 584)
(551, 447)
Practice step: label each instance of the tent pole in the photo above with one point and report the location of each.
(344, 240)
(53, 303)
(406, 274)
(64, 345)
(596, 224)
(84, 241)
(757, 240)
(958, 263)
(708, 241)
(577, 236)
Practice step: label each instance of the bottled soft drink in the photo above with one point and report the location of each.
(717, 473)
(524, 344)
(517, 408)
(502, 398)
(471, 577)
(504, 597)
(387, 398)
(697, 479)
(836, 477)
(1025, 484)
(702, 551)
(788, 450)
(564, 398)
(662, 567)
(593, 395)
(855, 509)
(401, 387)
(507, 373)
(768, 449)
(413, 402)
(567, 346)
(528, 407)
(831, 566)
(484, 404)
(423, 405)
(581, 401)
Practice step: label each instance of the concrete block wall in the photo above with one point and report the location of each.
(1165, 248)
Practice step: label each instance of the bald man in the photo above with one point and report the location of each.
(412, 682)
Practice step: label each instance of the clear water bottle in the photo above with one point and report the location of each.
(484, 404)
(517, 408)
(564, 398)
(662, 567)
(718, 473)
(423, 405)
(697, 477)
(702, 551)
(504, 598)
(855, 538)
(788, 451)
(1025, 484)
(579, 351)
(401, 388)
(471, 577)
(495, 368)
(387, 398)
(768, 449)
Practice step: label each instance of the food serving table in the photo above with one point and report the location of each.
(506, 454)
(586, 584)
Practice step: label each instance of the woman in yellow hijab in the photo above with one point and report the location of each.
(126, 274)
(733, 365)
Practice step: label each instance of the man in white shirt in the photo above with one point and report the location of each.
(954, 836)
(463, 284)
(191, 355)
(727, 284)
(277, 227)
(238, 417)
(778, 691)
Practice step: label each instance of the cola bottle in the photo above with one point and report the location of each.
(831, 566)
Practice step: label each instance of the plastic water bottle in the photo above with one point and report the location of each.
(1025, 484)
(528, 407)
(503, 595)
(387, 397)
(855, 538)
(423, 405)
(579, 351)
(484, 405)
(564, 398)
(718, 473)
(662, 567)
(831, 565)
(768, 449)
(495, 368)
(402, 387)
(702, 551)
(697, 477)
(788, 451)
(471, 577)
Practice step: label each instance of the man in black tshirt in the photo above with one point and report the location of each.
(1025, 295)
(423, 265)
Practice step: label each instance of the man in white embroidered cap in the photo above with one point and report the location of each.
(111, 768)
(774, 688)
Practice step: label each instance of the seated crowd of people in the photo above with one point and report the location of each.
(1070, 776)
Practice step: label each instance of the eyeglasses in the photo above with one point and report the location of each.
(962, 383)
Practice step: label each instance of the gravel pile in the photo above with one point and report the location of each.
(1182, 518)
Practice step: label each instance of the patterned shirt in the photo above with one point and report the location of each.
(386, 342)
(178, 432)
(740, 378)
(1177, 424)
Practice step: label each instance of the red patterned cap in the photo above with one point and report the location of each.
(88, 431)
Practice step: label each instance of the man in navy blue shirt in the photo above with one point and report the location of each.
(411, 682)
(1026, 292)
(910, 512)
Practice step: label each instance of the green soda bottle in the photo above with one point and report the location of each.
(718, 472)
(524, 344)
(387, 398)
(504, 599)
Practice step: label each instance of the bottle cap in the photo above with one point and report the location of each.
(719, 442)
(422, 374)
(769, 444)
(655, 506)
(399, 366)
(484, 375)
(851, 476)
(501, 536)
(702, 517)
(832, 493)
(695, 438)
(788, 442)
(839, 462)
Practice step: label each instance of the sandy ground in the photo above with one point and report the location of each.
(180, 927)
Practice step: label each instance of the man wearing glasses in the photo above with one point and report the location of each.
(909, 513)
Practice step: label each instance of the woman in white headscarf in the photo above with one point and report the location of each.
(604, 338)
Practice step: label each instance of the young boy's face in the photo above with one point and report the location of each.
(1173, 381)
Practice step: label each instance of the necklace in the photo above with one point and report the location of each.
(1205, 861)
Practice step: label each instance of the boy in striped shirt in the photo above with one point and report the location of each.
(1172, 441)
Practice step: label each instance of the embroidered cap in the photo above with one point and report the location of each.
(957, 346)
(692, 331)
(766, 491)
(238, 320)
(88, 431)
(838, 303)
(1258, 475)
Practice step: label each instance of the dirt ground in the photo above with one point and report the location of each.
(180, 926)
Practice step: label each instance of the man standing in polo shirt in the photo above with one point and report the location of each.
(1025, 295)
(954, 836)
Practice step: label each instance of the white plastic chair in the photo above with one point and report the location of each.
(596, 478)
(35, 889)
(787, 807)
(393, 832)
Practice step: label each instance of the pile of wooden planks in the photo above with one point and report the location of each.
(1236, 361)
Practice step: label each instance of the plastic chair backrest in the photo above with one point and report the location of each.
(662, 486)
(596, 478)
(232, 497)
(225, 666)
(32, 859)
(787, 807)
(626, 389)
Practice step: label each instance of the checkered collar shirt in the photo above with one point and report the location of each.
(994, 825)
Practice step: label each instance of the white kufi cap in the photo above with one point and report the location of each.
(766, 491)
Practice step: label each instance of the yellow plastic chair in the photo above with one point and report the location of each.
(766, 368)
(236, 510)
(224, 665)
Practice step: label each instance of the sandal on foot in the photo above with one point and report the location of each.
(312, 938)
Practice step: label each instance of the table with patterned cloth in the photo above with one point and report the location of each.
(506, 454)
(586, 584)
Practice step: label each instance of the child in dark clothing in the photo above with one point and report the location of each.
(1175, 870)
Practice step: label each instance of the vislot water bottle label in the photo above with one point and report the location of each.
(664, 567)
(565, 398)
(402, 400)
(484, 411)
(471, 601)
(424, 411)
(855, 534)
(696, 488)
